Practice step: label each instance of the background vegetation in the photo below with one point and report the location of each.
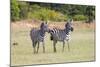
(49, 11)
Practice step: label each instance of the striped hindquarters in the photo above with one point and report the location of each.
(58, 34)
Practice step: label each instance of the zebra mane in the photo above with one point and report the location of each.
(42, 24)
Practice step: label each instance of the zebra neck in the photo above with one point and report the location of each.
(42, 32)
(66, 31)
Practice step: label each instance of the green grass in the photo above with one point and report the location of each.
(81, 48)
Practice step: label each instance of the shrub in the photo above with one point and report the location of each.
(23, 6)
(47, 14)
(80, 17)
(14, 10)
(38, 14)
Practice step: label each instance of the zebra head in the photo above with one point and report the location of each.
(44, 27)
(68, 26)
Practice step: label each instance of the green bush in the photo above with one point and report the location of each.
(47, 14)
(38, 14)
(24, 7)
(56, 16)
(14, 10)
(80, 17)
(27, 10)
(34, 7)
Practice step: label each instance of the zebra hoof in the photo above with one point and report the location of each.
(34, 52)
(54, 51)
(43, 51)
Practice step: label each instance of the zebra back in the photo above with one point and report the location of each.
(57, 34)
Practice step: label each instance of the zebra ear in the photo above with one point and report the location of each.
(71, 21)
(66, 24)
(68, 21)
(41, 24)
(46, 22)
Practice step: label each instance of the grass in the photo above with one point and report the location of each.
(82, 47)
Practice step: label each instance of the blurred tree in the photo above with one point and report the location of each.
(90, 13)
(14, 10)
(24, 8)
(51, 11)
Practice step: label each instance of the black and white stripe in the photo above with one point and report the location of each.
(61, 35)
(37, 36)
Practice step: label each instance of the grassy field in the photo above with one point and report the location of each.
(82, 47)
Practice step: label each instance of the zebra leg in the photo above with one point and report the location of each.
(34, 47)
(34, 50)
(63, 46)
(38, 47)
(43, 47)
(68, 45)
(54, 45)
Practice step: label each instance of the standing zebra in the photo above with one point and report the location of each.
(61, 35)
(37, 36)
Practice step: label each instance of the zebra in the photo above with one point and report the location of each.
(61, 35)
(37, 36)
